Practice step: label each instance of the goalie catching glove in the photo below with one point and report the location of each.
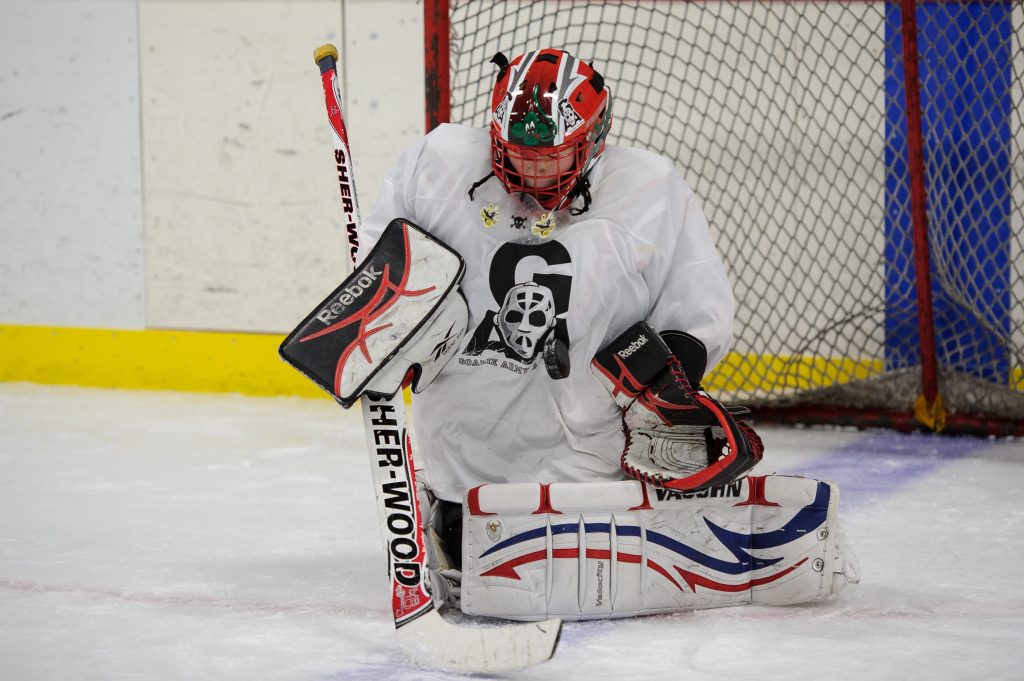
(396, 320)
(677, 436)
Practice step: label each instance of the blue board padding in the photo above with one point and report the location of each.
(965, 70)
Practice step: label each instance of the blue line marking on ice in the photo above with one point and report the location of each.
(881, 463)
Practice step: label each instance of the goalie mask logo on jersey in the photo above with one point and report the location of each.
(526, 317)
(531, 290)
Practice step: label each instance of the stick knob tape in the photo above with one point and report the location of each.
(326, 57)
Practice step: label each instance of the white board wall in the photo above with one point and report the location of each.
(242, 228)
(208, 200)
(71, 239)
(238, 199)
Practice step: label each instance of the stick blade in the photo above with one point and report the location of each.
(432, 641)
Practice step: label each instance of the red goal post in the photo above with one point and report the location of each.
(862, 167)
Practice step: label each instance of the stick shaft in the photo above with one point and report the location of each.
(384, 419)
(342, 153)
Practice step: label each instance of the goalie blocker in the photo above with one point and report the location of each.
(396, 320)
(617, 549)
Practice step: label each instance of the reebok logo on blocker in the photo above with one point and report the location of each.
(348, 295)
(632, 347)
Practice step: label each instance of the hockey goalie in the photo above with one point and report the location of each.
(554, 303)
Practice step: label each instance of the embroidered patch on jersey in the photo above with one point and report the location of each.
(489, 215)
(544, 226)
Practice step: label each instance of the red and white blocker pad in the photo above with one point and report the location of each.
(396, 320)
(615, 549)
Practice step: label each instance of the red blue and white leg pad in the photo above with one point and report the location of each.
(618, 549)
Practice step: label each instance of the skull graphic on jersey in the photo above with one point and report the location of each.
(550, 115)
(525, 318)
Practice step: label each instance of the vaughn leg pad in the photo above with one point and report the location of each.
(617, 549)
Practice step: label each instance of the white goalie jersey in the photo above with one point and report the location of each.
(642, 251)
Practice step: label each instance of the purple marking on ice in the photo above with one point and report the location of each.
(881, 463)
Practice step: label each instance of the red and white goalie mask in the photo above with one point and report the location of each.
(550, 115)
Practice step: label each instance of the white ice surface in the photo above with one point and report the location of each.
(181, 536)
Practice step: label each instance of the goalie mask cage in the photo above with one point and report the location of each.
(862, 168)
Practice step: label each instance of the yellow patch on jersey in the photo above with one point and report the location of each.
(544, 226)
(489, 215)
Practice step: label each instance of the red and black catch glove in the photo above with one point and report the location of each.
(677, 436)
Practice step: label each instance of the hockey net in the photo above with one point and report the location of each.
(791, 121)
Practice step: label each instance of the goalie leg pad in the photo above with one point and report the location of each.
(617, 549)
(399, 316)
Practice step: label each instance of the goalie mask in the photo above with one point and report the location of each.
(550, 116)
(525, 318)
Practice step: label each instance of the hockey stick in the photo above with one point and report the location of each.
(422, 633)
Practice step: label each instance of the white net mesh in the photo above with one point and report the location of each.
(789, 120)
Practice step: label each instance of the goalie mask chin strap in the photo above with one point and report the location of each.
(582, 188)
(476, 185)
